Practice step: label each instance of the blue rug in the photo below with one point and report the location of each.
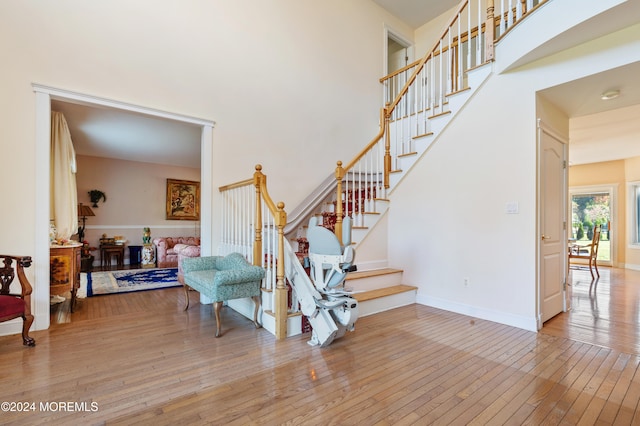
(127, 281)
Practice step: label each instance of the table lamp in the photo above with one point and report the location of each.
(83, 212)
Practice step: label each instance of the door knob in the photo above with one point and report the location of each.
(544, 237)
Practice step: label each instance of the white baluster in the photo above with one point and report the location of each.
(469, 49)
(479, 36)
(510, 15)
(417, 89)
(459, 51)
(519, 11)
(441, 85)
(502, 23)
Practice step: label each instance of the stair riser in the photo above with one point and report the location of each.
(374, 306)
(374, 282)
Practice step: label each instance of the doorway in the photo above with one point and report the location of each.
(398, 53)
(44, 97)
(591, 206)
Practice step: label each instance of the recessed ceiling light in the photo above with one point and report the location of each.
(610, 94)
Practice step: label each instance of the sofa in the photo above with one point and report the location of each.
(166, 255)
(223, 278)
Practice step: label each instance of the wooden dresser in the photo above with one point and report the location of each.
(64, 270)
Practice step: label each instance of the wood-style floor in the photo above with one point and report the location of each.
(141, 360)
(604, 311)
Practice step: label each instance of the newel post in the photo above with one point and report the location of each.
(490, 31)
(281, 296)
(387, 146)
(257, 242)
(339, 208)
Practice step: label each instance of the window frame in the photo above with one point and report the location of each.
(612, 190)
(633, 214)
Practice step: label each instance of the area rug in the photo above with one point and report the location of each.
(127, 281)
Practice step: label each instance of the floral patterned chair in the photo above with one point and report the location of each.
(221, 279)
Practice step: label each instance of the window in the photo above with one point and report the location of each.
(634, 213)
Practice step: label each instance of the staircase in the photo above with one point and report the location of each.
(420, 102)
(366, 200)
(379, 290)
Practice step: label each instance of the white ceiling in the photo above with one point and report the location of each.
(112, 133)
(417, 12)
(124, 135)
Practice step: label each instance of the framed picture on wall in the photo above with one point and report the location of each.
(183, 200)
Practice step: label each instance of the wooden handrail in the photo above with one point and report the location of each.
(264, 202)
(240, 184)
(374, 141)
(426, 57)
(498, 17)
(399, 71)
(339, 177)
(454, 43)
(489, 31)
(280, 217)
(260, 181)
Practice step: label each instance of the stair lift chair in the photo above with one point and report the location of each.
(330, 262)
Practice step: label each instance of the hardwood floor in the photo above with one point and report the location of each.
(141, 360)
(604, 312)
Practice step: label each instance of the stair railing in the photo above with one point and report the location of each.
(413, 96)
(252, 224)
(511, 12)
(418, 93)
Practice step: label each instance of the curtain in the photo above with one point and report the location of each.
(64, 194)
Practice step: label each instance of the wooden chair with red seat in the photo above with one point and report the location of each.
(16, 305)
(587, 251)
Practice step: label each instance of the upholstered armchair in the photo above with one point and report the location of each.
(166, 255)
(185, 251)
(14, 305)
(221, 279)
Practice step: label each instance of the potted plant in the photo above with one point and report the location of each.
(96, 195)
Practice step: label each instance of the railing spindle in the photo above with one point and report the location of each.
(502, 18)
(479, 36)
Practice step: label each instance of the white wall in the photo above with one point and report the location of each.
(448, 220)
(428, 34)
(136, 198)
(292, 85)
(452, 210)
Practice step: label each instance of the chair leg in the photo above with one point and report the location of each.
(186, 296)
(595, 265)
(26, 325)
(257, 302)
(216, 310)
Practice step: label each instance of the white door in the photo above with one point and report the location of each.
(552, 213)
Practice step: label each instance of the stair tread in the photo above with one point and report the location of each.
(372, 273)
(382, 292)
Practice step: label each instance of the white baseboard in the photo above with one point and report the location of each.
(245, 308)
(631, 266)
(11, 327)
(518, 321)
(294, 324)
